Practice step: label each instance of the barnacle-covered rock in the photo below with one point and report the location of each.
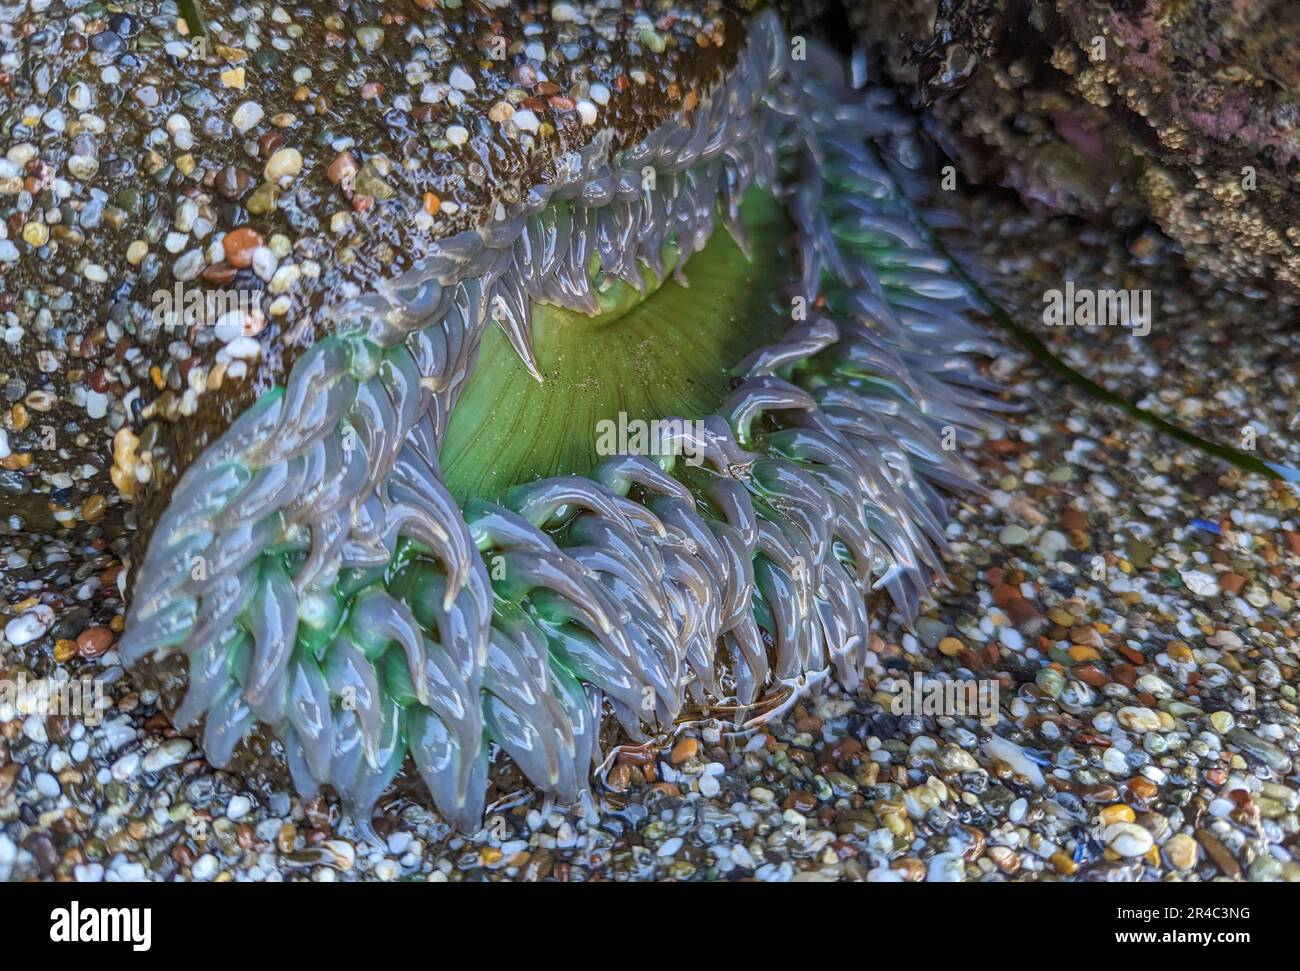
(1186, 112)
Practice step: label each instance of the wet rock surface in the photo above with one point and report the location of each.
(1185, 112)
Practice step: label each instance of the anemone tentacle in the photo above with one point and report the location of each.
(320, 578)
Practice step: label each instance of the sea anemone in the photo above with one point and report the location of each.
(416, 546)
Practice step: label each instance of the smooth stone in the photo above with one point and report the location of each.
(1128, 839)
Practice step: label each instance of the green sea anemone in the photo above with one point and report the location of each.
(666, 482)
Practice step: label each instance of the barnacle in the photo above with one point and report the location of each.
(412, 549)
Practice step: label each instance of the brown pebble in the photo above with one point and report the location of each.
(94, 641)
(342, 170)
(620, 777)
(1004, 594)
(1217, 852)
(1141, 791)
(684, 750)
(1125, 674)
(232, 182)
(800, 801)
(239, 245)
(1024, 615)
(1231, 583)
(1090, 675)
(1098, 793)
(93, 508)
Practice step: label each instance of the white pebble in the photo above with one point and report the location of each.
(126, 766)
(247, 115)
(29, 625)
(244, 348)
(460, 80)
(238, 807)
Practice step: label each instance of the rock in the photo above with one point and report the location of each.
(1052, 544)
(1013, 535)
(1012, 754)
(1138, 720)
(94, 641)
(169, 753)
(239, 244)
(1127, 839)
(238, 807)
(1178, 114)
(1258, 748)
(1231, 582)
(30, 625)
(247, 115)
(1219, 853)
(684, 750)
(951, 647)
(1222, 721)
(1180, 851)
(931, 631)
(286, 163)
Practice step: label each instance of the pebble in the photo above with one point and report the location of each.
(238, 807)
(460, 80)
(685, 750)
(171, 752)
(126, 767)
(1137, 719)
(205, 867)
(30, 625)
(247, 115)
(239, 246)
(94, 641)
(285, 163)
(1128, 839)
(1013, 535)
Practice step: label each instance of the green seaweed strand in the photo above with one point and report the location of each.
(1035, 346)
(193, 17)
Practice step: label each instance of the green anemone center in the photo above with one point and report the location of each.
(669, 353)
